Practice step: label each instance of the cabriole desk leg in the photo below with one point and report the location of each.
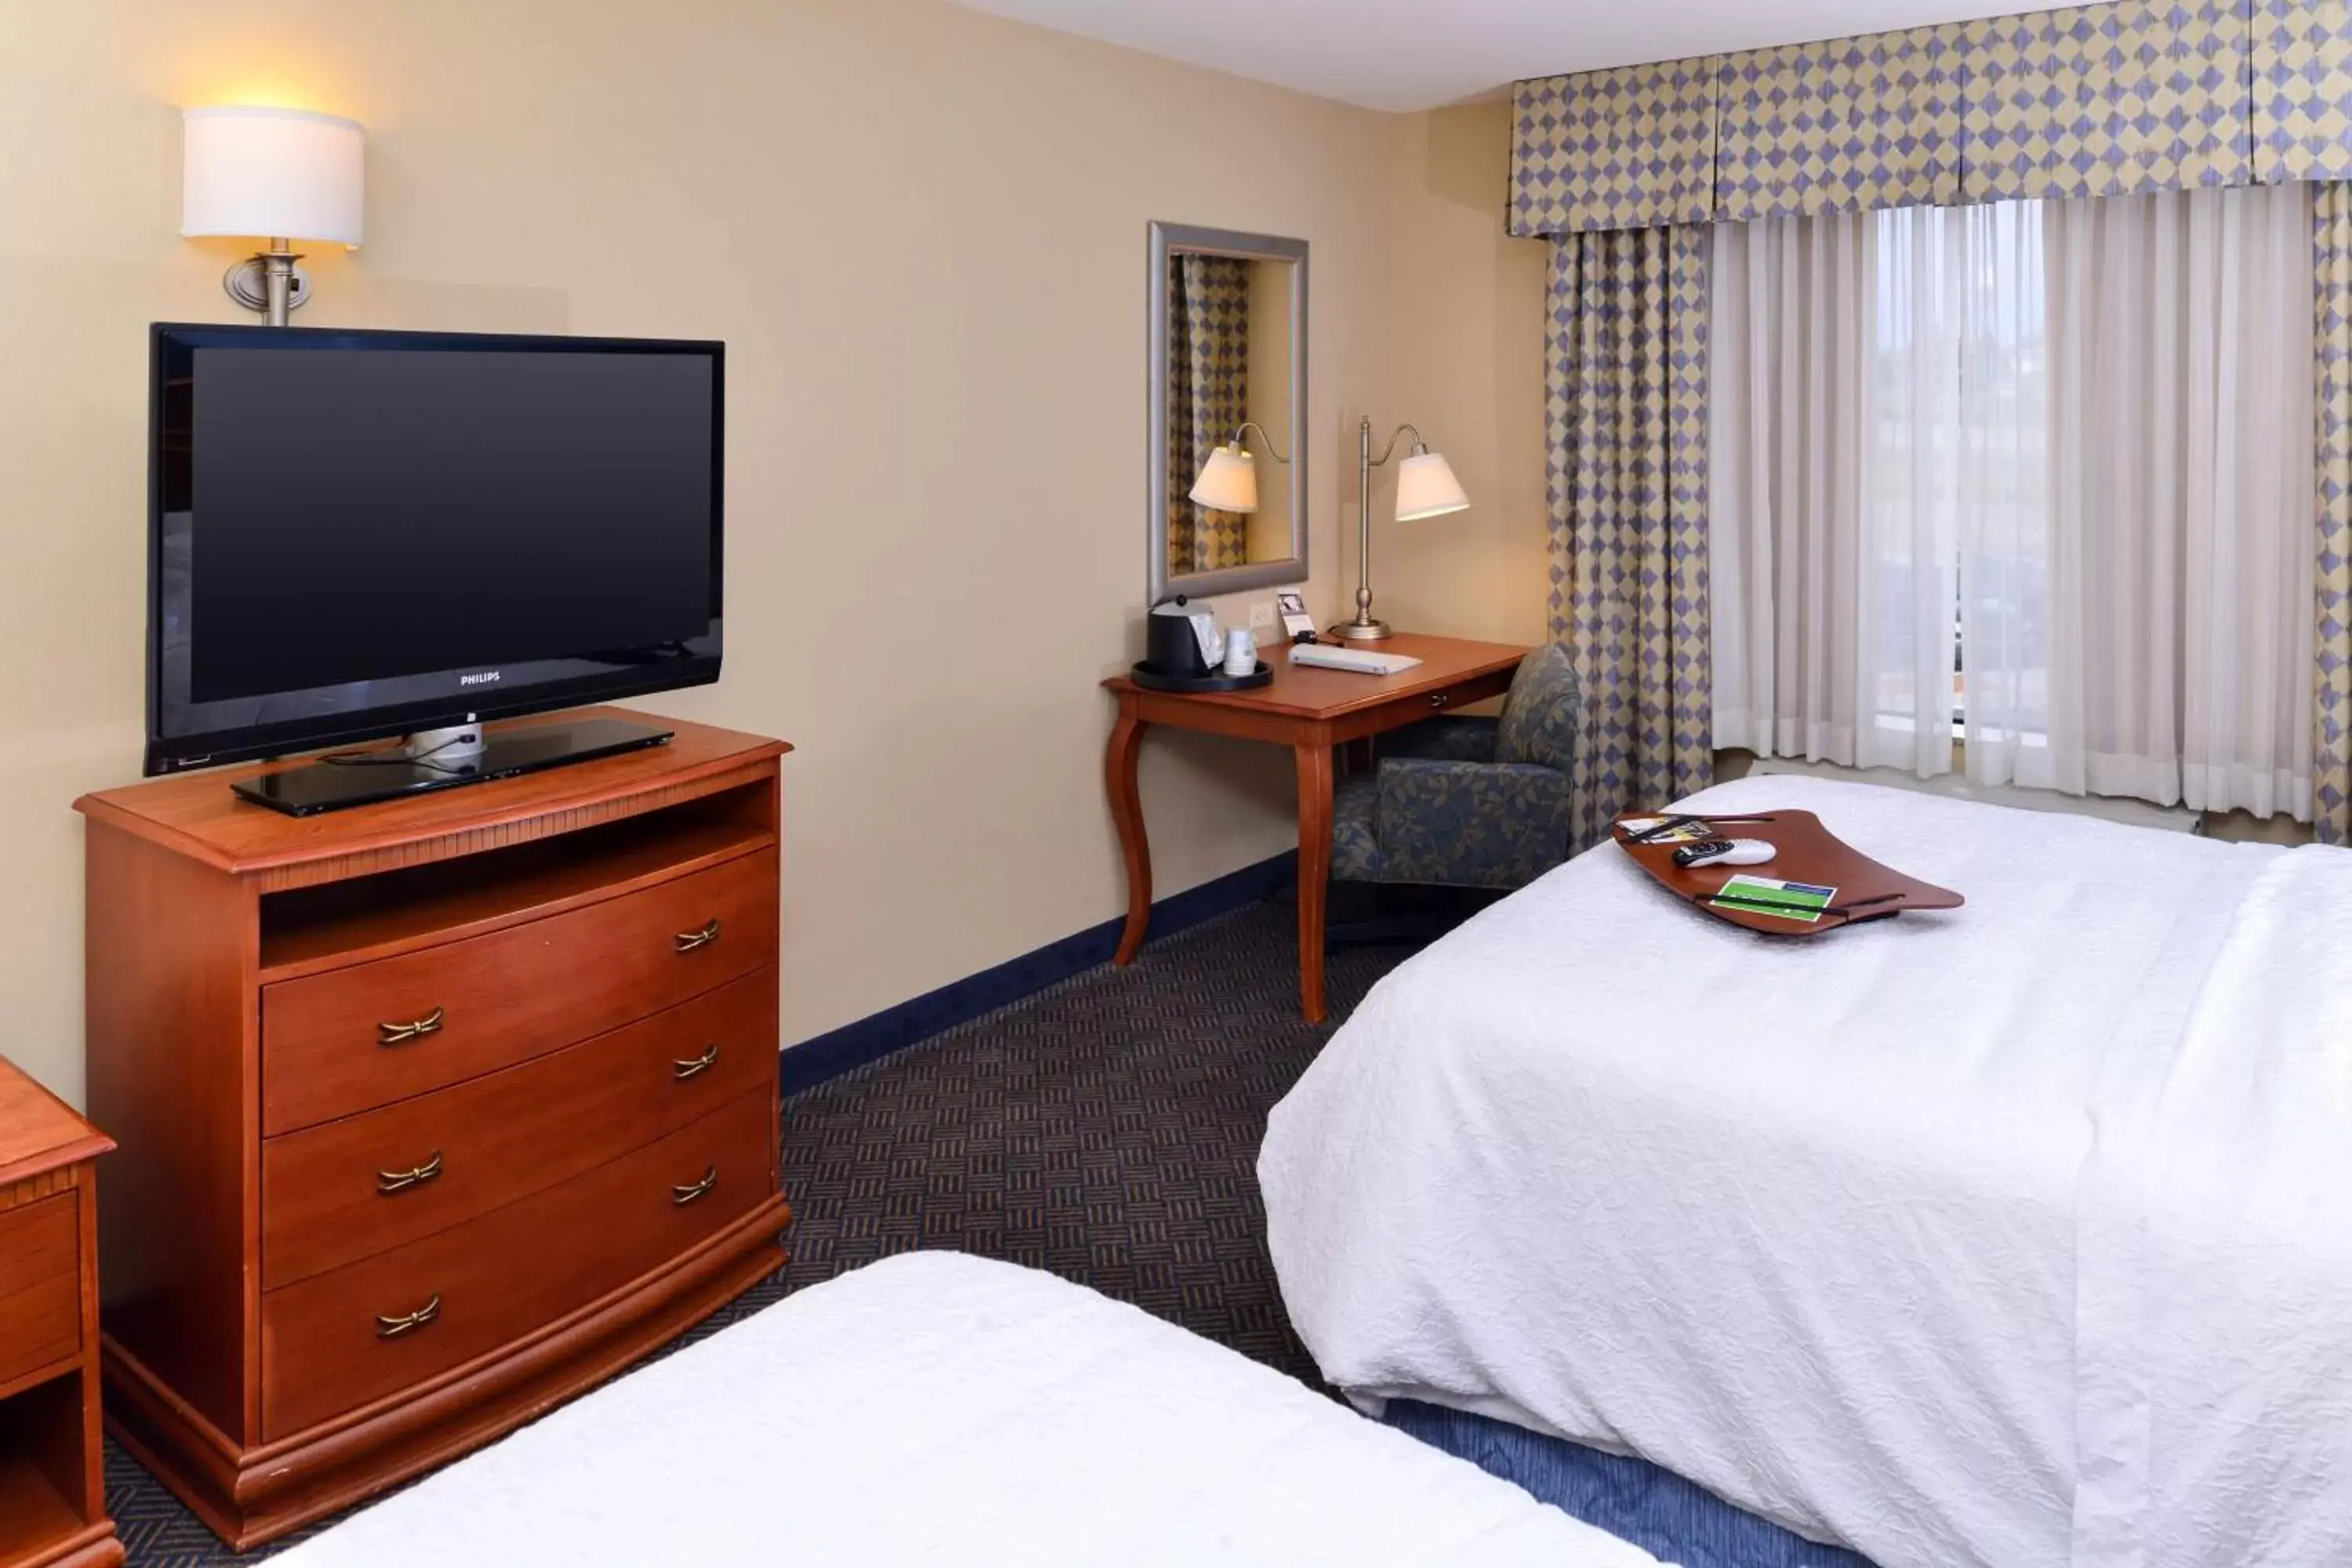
(1127, 811)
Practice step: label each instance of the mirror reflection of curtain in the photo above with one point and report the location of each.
(1208, 398)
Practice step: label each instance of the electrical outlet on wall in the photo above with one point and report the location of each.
(1262, 617)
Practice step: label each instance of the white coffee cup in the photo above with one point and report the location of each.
(1240, 651)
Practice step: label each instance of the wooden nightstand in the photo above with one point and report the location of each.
(52, 1482)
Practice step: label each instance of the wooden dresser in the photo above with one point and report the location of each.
(433, 1112)
(52, 1482)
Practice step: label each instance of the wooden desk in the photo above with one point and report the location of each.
(1312, 712)
(52, 1484)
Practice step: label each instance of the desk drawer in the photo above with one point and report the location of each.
(336, 1342)
(350, 1040)
(349, 1189)
(40, 1284)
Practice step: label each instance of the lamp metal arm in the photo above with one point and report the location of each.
(1394, 437)
(1271, 450)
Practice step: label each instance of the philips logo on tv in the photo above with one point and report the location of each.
(487, 678)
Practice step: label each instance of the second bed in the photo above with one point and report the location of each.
(2007, 1234)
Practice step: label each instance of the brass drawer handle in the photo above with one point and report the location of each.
(685, 1195)
(391, 1182)
(688, 940)
(401, 1034)
(1437, 699)
(694, 1067)
(408, 1323)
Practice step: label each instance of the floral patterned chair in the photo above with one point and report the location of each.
(1468, 802)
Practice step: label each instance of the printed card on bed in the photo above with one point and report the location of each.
(1804, 902)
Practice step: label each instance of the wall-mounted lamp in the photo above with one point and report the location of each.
(1229, 481)
(280, 174)
(1425, 488)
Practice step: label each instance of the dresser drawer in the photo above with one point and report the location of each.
(40, 1284)
(336, 1342)
(349, 1189)
(353, 1039)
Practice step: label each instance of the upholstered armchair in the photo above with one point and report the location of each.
(1468, 802)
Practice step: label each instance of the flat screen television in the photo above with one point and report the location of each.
(360, 534)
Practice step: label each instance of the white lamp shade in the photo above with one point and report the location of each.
(271, 173)
(1230, 481)
(1426, 488)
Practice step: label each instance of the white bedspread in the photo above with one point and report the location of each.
(936, 1408)
(2216, 1326)
(1800, 1220)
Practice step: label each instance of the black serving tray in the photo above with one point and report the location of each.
(1151, 679)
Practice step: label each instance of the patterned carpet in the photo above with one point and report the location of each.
(1105, 1130)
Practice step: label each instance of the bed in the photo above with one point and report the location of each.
(940, 1408)
(2016, 1235)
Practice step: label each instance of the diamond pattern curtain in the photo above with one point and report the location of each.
(2103, 101)
(1850, 125)
(1633, 148)
(2331, 772)
(1208, 363)
(1626, 383)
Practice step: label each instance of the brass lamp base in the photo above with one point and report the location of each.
(1361, 631)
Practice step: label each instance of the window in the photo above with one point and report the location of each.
(2035, 475)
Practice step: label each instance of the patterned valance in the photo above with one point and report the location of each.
(1631, 148)
(2134, 95)
(1846, 126)
(2302, 121)
(2106, 100)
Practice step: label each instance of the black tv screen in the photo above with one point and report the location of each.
(357, 534)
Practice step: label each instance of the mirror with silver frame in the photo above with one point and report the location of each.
(1228, 476)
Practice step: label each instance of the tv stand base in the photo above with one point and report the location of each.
(426, 763)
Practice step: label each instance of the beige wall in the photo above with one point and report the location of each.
(922, 232)
(1464, 335)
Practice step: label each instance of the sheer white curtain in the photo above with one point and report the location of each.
(2169, 579)
(1831, 473)
(1787, 413)
(2077, 431)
